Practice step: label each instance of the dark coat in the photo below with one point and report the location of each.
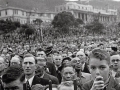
(37, 80)
(51, 77)
(51, 67)
(86, 69)
(1, 86)
(41, 81)
(112, 85)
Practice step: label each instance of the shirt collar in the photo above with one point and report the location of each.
(83, 66)
(30, 80)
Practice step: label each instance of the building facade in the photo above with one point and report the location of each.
(25, 16)
(87, 12)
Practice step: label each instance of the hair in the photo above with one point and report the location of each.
(114, 48)
(30, 55)
(39, 50)
(100, 54)
(66, 58)
(66, 67)
(13, 73)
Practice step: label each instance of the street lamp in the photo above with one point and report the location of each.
(38, 23)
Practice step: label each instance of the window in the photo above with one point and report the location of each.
(6, 12)
(23, 13)
(68, 8)
(61, 8)
(15, 11)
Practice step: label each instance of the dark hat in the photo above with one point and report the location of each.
(49, 50)
(66, 58)
(114, 48)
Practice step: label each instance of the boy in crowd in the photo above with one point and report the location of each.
(99, 61)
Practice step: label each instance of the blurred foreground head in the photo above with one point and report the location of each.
(13, 78)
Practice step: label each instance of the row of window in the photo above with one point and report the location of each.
(73, 7)
(64, 8)
(5, 13)
(15, 12)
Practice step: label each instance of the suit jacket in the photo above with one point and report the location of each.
(85, 77)
(51, 67)
(37, 80)
(86, 70)
(51, 77)
(112, 85)
(1, 86)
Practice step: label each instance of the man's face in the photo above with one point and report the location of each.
(76, 62)
(69, 54)
(40, 54)
(15, 61)
(99, 67)
(29, 65)
(64, 55)
(8, 56)
(115, 61)
(81, 56)
(57, 60)
(68, 74)
(2, 64)
(66, 62)
(109, 50)
(41, 61)
(15, 85)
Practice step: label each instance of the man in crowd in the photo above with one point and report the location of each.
(58, 61)
(115, 64)
(2, 68)
(99, 61)
(41, 70)
(51, 68)
(77, 64)
(15, 60)
(29, 66)
(81, 55)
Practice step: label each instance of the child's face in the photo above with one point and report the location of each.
(99, 67)
(67, 88)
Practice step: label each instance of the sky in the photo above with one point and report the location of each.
(89, 0)
(117, 0)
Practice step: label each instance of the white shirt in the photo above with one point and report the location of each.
(83, 66)
(113, 73)
(30, 80)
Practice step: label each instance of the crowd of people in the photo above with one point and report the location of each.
(60, 66)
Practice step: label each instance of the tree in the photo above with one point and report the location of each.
(95, 27)
(63, 18)
(27, 30)
(17, 24)
(62, 22)
(78, 22)
(7, 26)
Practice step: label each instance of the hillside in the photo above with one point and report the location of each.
(50, 4)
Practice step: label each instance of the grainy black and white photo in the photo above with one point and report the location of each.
(59, 44)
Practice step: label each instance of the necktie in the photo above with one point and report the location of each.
(1, 84)
(28, 85)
